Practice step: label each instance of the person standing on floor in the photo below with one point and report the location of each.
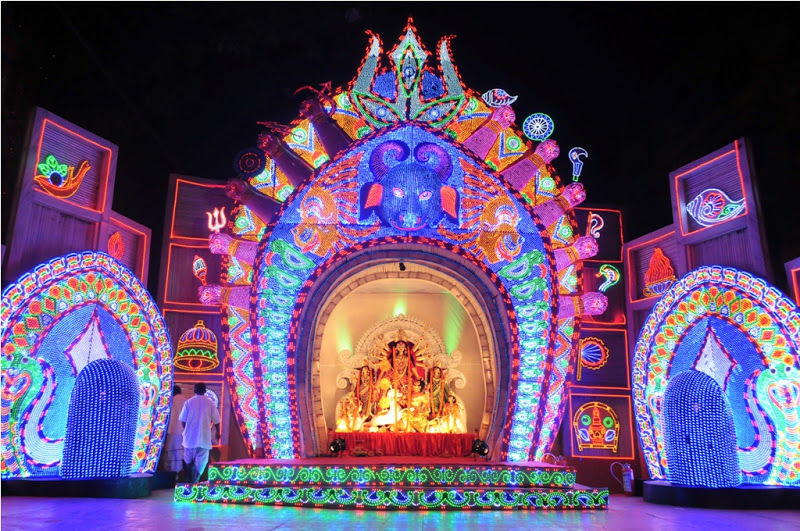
(197, 416)
(173, 446)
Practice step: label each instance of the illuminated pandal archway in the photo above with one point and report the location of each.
(58, 319)
(745, 335)
(404, 156)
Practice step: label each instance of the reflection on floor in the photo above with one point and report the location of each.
(160, 512)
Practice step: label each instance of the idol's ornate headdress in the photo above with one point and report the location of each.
(373, 347)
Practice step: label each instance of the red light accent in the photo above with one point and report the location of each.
(795, 276)
(143, 248)
(449, 201)
(632, 274)
(374, 196)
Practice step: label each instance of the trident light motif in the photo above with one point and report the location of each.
(216, 221)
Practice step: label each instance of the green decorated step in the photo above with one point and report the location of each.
(329, 472)
(409, 498)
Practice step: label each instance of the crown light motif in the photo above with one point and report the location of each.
(408, 89)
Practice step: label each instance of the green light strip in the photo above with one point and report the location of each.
(415, 498)
(387, 476)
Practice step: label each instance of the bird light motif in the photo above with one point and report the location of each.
(60, 180)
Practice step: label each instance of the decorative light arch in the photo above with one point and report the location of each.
(77, 305)
(705, 314)
(338, 203)
(283, 271)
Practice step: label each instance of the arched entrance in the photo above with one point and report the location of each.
(482, 304)
(402, 186)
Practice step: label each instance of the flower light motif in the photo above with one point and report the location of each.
(538, 126)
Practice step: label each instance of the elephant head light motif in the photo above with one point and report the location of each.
(409, 194)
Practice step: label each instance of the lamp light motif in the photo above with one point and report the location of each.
(659, 276)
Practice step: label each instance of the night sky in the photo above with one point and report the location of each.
(645, 88)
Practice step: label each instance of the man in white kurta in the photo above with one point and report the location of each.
(173, 447)
(197, 416)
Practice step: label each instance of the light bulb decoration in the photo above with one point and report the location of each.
(498, 97)
(101, 422)
(700, 437)
(538, 126)
(593, 354)
(60, 180)
(197, 349)
(594, 224)
(200, 270)
(63, 316)
(596, 426)
(352, 205)
(660, 274)
(116, 247)
(713, 206)
(742, 335)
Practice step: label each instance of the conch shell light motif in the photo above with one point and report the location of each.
(713, 206)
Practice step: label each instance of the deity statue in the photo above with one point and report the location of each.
(400, 385)
(439, 392)
(402, 370)
(358, 406)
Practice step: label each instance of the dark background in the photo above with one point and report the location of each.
(645, 88)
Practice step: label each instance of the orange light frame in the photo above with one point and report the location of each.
(178, 182)
(629, 281)
(594, 398)
(678, 197)
(102, 189)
